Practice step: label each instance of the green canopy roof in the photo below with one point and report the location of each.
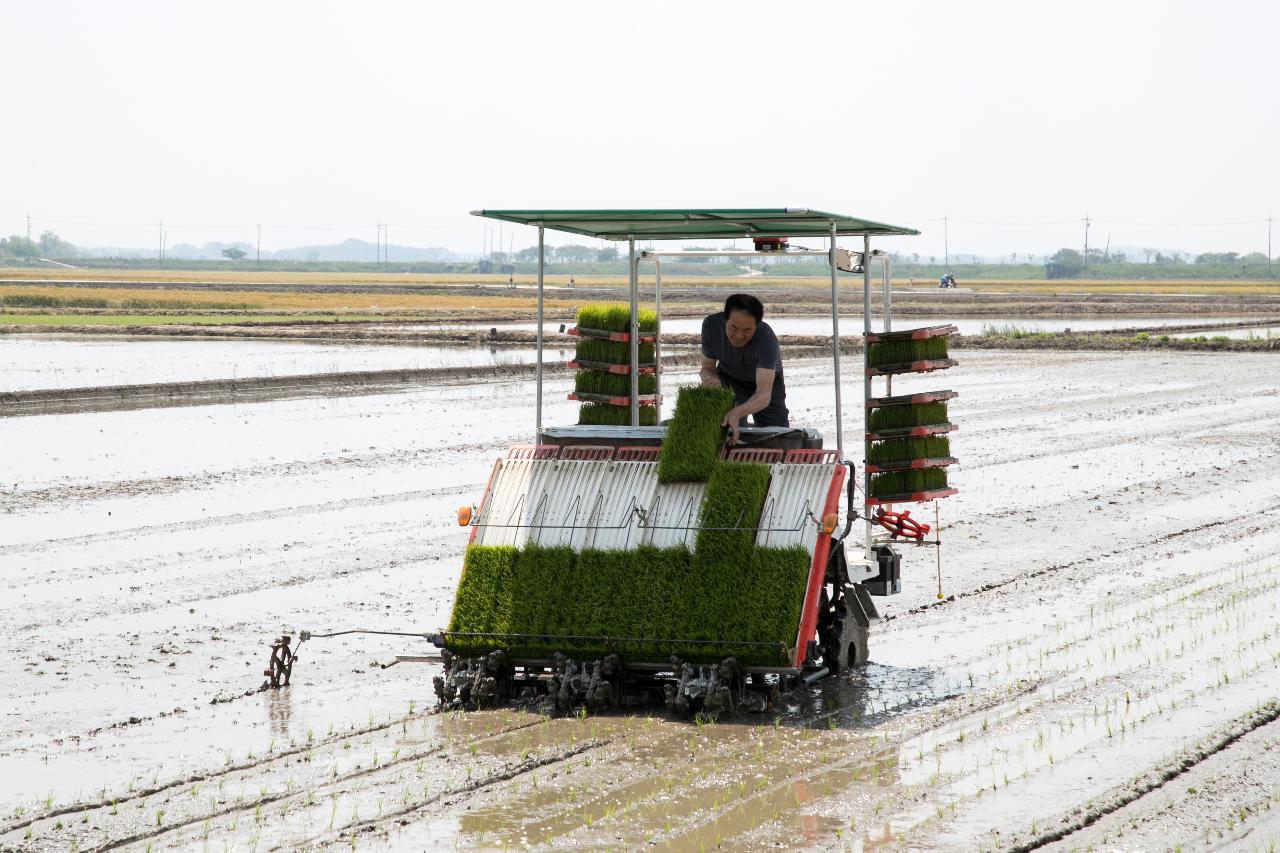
(701, 224)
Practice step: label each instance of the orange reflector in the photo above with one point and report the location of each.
(464, 516)
(829, 523)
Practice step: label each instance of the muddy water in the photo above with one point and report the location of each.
(79, 362)
(1111, 550)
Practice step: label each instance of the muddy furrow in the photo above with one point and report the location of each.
(1155, 778)
(281, 756)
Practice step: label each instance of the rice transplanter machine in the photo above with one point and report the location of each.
(578, 536)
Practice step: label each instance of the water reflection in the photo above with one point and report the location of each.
(279, 708)
(867, 697)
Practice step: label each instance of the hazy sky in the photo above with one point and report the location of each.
(1015, 119)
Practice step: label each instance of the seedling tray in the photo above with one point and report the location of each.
(927, 366)
(911, 334)
(912, 497)
(606, 335)
(911, 399)
(911, 432)
(910, 464)
(643, 399)
(606, 367)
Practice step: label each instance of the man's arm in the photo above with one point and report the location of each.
(756, 402)
(710, 379)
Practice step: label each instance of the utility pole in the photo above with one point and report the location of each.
(160, 255)
(259, 242)
(946, 243)
(29, 234)
(1086, 241)
(1270, 219)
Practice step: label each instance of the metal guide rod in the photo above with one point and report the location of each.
(542, 258)
(632, 269)
(866, 381)
(887, 308)
(835, 339)
(657, 334)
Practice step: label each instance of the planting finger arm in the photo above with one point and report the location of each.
(710, 379)
(757, 401)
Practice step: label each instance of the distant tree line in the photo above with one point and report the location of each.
(50, 245)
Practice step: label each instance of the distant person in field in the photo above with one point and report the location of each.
(740, 352)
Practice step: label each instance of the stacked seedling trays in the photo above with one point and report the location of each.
(603, 361)
(907, 447)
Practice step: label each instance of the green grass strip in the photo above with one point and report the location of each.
(900, 352)
(903, 449)
(899, 417)
(611, 352)
(904, 482)
(607, 414)
(615, 318)
(614, 384)
(691, 447)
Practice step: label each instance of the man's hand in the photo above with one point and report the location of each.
(731, 422)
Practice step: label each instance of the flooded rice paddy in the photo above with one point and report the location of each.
(1101, 674)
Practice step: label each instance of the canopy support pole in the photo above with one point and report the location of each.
(634, 285)
(866, 382)
(537, 435)
(835, 340)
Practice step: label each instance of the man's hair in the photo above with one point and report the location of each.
(745, 302)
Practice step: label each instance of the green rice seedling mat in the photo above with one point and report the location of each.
(612, 352)
(919, 484)
(691, 447)
(613, 384)
(906, 351)
(908, 449)
(905, 417)
(646, 604)
(606, 414)
(615, 318)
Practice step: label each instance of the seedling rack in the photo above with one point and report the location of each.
(606, 335)
(922, 366)
(912, 432)
(606, 367)
(586, 397)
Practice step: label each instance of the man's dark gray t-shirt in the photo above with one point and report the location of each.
(737, 366)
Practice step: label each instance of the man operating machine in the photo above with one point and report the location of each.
(741, 352)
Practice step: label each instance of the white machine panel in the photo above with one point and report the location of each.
(619, 505)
